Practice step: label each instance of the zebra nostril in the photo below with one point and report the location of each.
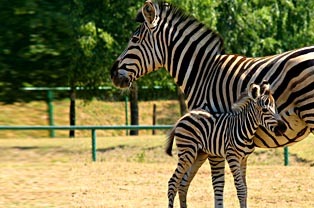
(280, 128)
(123, 75)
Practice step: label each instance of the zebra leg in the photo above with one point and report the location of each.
(185, 162)
(217, 165)
(188, 177)
(243, 170)
(235, 167)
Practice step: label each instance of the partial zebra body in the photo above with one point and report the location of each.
(200, 135)
(291, 75)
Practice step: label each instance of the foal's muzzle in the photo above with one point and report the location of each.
(280, 129)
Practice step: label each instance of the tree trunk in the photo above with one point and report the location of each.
(72, 112)
(181, 98)
(134, 107)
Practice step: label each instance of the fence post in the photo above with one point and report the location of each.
(126, 114)
(72, 111)
(154, 117)
(94, 145)
(286, 154)
(50, 112)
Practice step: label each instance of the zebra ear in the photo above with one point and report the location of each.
(254, 91)
(265, 88)
(149, 13)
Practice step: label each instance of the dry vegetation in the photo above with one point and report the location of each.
(133, 172)
(130, 171)
(90, 113)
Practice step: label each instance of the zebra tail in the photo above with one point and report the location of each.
(169, 142)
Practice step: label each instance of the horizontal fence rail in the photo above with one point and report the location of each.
(92, 128)
(119, 127)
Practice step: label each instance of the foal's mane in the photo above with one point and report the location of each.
(242, 102)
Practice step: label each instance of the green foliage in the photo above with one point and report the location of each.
(34, 50)
(259, 28)
(74, 43)
(203, 10)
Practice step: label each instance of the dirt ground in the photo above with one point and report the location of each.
(42, 173)
(145, 185)
(129, 184)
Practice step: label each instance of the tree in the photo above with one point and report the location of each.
(74, 43)
(259, 28)
(97, 38)
(34, 51)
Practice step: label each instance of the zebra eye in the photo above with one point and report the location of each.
(135, 39)
(265, 110)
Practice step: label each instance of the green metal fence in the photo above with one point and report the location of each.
(94, 128)
(50, 94)
(91, 128)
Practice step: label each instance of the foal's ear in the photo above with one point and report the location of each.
(254, 91)
(265, 88)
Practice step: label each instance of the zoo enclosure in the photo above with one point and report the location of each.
(51, 128)
(94, 128)
(154, 93)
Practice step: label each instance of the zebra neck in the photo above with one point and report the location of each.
(190, 52)
(245, 123)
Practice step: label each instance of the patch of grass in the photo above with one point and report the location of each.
(303, 150)
(300, 153)
(140, 157)
(143, 149)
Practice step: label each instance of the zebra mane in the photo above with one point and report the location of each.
(242, 102)
(176, 11)
(182, 15)
(179, 13)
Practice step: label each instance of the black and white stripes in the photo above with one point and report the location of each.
(199, 135)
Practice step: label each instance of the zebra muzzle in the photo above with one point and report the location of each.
(120, 77)
(280, 129)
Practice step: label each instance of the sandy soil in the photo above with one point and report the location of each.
(48, 173)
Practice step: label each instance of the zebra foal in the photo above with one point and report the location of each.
(200, 135)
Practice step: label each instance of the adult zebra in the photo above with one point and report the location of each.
(191, 53)
(200, 135)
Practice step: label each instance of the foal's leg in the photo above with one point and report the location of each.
(188, 177)
(240, 184)
(186, 159)
(243, 170)
(217, 165)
